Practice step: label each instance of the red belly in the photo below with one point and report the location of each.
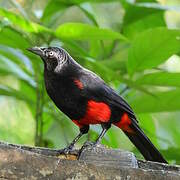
(96, 113)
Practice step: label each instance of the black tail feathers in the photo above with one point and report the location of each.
(144, 145)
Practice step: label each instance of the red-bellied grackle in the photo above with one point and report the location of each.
(86, 99)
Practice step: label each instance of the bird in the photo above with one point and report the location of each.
(87, 100)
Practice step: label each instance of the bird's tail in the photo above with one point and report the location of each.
(143, 144)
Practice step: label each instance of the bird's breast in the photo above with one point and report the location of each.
(66, 96)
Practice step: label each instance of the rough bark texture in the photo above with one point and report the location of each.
(21, 162)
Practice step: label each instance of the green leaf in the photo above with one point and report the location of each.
(76, 2)
(115, 64)
(161, 102)
(7, 91)
(152, 20)
(159, 6)
(170, 128)
(8, 36)
(88, 14)
(118, 59)
(147, 123)
(31, 92)
(8, 67)
(143, 1)
(160, 79)
(18, 58)
(52, 10)
(95, 49)
(132, 10)
(74, 48)
(172, 153)
(79, 31)
(151, 48)
(22, 23)
(15, 115)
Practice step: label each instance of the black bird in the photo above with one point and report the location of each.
(86, 99)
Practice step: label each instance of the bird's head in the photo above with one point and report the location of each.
(54, 58)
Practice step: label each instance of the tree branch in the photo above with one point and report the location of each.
(23, 162)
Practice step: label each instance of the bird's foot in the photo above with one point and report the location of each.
(66, 150)
(89, 144)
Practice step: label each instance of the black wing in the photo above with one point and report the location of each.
(96, 88)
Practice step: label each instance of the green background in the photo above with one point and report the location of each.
(133, 45)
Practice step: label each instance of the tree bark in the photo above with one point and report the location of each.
(23, 162)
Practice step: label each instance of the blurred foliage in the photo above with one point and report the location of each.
(133, 45)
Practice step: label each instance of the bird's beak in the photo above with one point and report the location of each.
(36, 50)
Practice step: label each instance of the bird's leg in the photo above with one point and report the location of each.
(69, 148)
(105, 128)
(71, 145)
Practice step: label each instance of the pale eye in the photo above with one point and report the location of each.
(51, 53)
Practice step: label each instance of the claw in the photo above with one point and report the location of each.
(90, 144)
(66, 150)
